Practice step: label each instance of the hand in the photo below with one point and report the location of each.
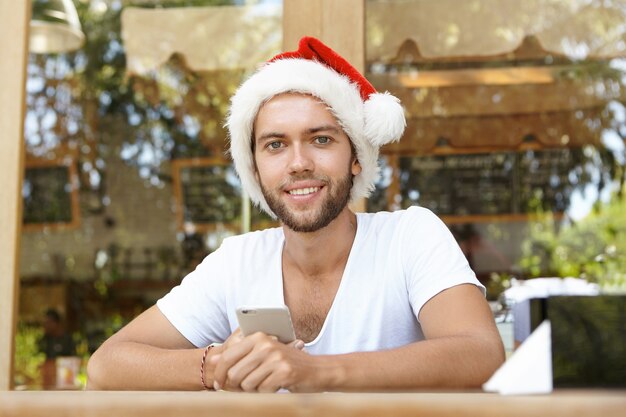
(233, 339)
(260, 363)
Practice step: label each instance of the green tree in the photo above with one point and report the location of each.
(593, 248)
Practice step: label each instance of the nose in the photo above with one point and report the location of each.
(300, 159)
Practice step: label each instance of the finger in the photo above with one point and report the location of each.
(280, 369)
(243, 368)
(238, 363)
(229, 356)
(234, 338)
(274, 381)
(251, 382)
(298, 344)
(269, 376)
(213, 360)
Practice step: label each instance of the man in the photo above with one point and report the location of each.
(378, 301)
(55, 342)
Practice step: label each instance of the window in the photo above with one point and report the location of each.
(127, 184)
(516, 128)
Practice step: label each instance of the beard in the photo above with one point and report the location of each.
(336, 200)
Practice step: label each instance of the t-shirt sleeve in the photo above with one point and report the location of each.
(433, 260)
(197, 307)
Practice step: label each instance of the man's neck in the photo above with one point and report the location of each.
(318, 254)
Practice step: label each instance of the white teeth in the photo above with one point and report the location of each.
(304, 191)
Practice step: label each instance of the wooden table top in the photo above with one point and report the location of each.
(566, 403)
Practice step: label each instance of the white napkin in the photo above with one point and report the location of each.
(529, 369)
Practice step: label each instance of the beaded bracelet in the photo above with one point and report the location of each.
(202, 366)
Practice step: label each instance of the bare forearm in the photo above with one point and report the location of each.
(135, 366)
(451, 362)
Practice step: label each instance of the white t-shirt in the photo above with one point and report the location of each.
(398, 262)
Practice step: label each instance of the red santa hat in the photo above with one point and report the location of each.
(370, 119)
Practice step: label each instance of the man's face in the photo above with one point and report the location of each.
(304, 161)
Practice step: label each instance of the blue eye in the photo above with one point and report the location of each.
(322, 140)
(274, 145)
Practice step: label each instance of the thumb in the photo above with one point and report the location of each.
(298, 344)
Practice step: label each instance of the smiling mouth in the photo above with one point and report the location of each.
(304, 191)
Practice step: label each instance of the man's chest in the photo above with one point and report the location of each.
(362, 314)
(309, 305)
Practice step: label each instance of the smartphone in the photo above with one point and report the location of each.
(274, 321)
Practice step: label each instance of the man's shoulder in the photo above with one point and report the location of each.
(387, 226)
(386, 218)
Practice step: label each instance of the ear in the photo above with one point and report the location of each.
(356, 167)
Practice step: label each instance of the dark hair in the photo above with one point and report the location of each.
(52, 314)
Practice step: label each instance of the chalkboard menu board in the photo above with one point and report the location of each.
(210, 194)
(47, 195)
(488, 184)
(546, 175)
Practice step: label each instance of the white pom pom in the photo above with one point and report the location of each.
(384, 119)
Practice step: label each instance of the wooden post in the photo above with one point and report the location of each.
(340, 24)
(14, 19)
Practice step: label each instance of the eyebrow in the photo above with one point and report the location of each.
(270, 135)
(324, 128)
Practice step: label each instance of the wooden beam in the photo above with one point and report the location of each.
(340, 24)
(14, 18)
(301, 18)
(343, 28)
